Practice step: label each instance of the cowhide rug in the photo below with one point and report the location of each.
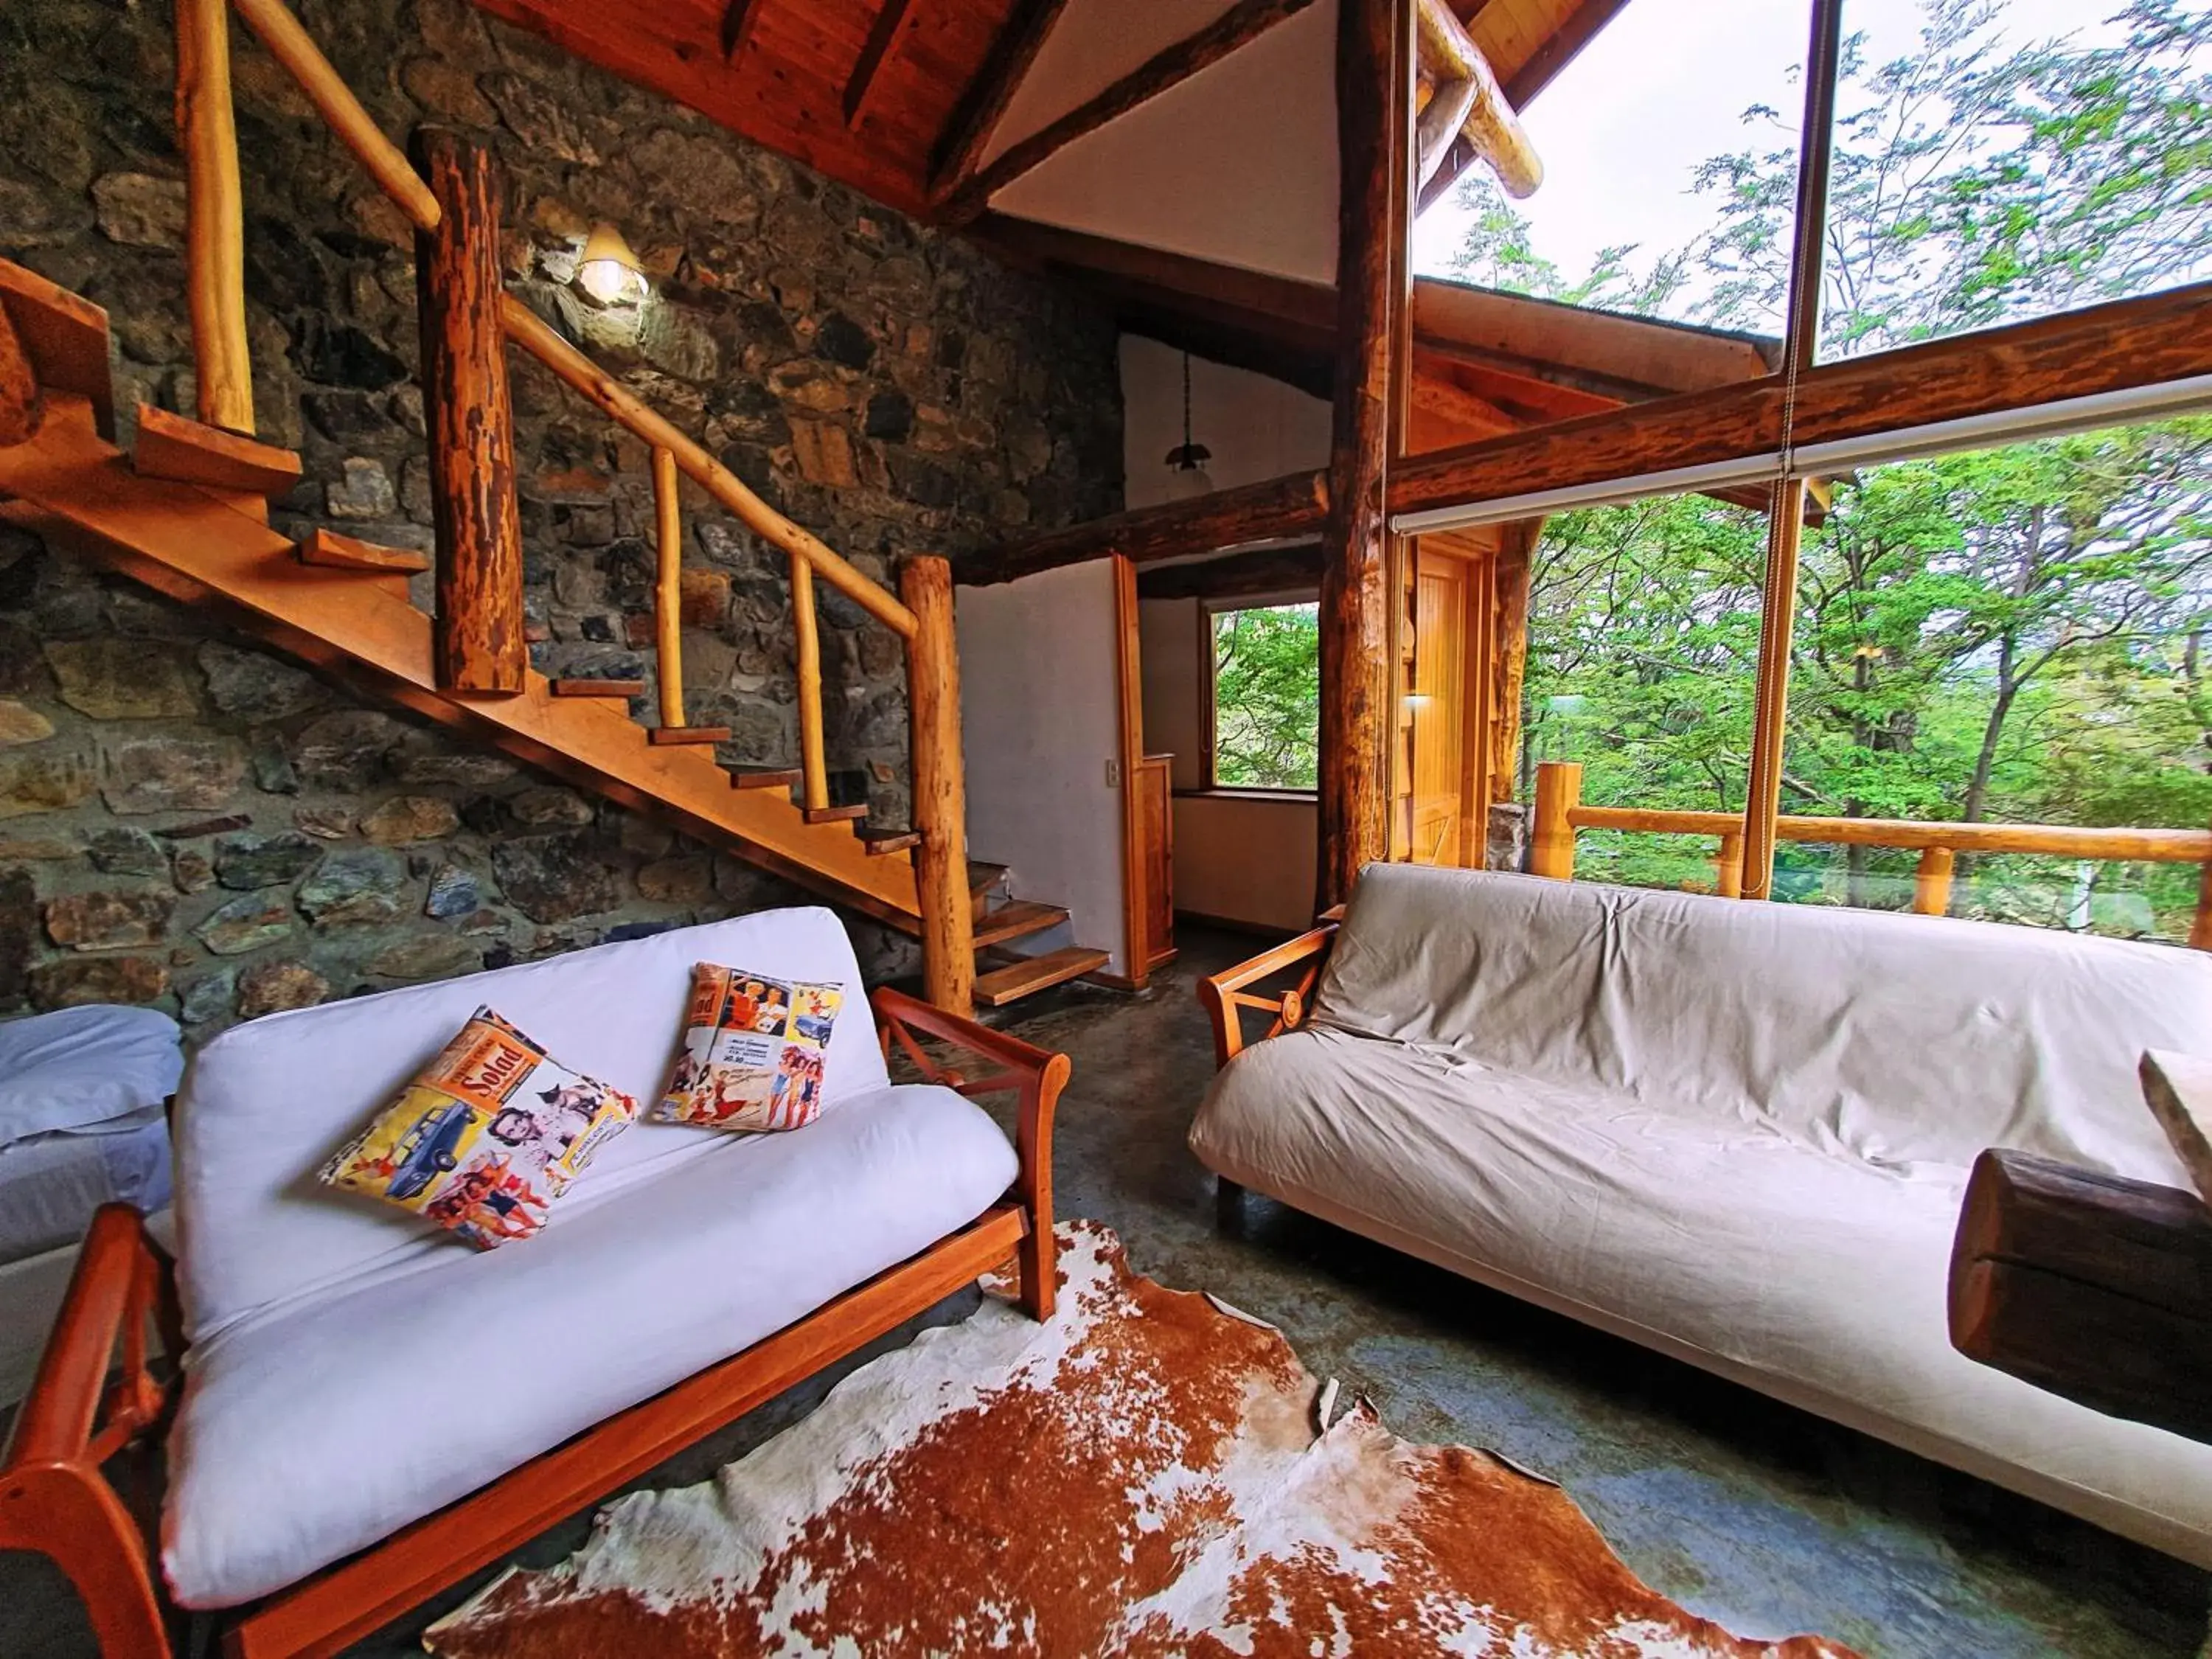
(1147, 1474)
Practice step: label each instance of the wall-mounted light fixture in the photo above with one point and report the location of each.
(608, 270)
(1187, 473)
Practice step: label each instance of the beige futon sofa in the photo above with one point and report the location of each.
(1736, 1133)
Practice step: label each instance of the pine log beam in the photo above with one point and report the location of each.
(1373, 98)
(23, 406)
(1274, 509)
(2093, 1287)
(965, 196)
(940, 794)
(984, 105)
(1236, 575)
(1489, 124)
(214, 218)
(1568, 37)
(479, 641)
(875, 53)
(2121, 346)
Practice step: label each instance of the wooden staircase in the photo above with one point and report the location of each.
(185, 512)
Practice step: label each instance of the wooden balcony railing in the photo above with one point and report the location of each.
(216, 280)
(1560, 813)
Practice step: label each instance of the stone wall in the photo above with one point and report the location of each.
(186, 820)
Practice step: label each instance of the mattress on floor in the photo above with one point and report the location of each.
(50, 1184)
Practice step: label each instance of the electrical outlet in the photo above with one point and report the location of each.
(1114, 773)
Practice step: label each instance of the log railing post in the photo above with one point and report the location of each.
(215, 221)
(1552, 838)
(1728, 865)
(465, 392)
(1931, 883)
(813, 766)
(668, 588)
(940, 803)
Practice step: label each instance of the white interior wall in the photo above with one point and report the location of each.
(1257, 427)
(1236, 165)
(1167, 644)
(1039, 716)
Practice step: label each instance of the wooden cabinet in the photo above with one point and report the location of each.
(1156, 857)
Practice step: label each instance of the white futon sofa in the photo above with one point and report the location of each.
(350, 1368)
(1736, 1133)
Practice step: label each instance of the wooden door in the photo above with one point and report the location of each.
(1439, 708)
(1156, 839)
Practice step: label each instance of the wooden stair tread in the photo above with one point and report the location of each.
(1017, 921)
(765, 777)
(65, 336)
(982, 876)
(665, 735)
(1033, 974)
(624, 689)
(836, 814)
(326, 549)
(184, 451)
(881, 843)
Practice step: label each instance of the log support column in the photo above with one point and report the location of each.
(479, 643)
(1374, 115)
(940, 794)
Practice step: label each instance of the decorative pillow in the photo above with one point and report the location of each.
(487, 1138)
(753, 1051)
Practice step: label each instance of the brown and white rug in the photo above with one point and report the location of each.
(1147, 1474)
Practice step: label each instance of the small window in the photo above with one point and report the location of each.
(1265, 668)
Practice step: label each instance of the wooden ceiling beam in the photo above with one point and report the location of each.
(964, 197)
(983, 106)
(1235, 575)
(882, 36)
(1273, 510)
(2118, 347)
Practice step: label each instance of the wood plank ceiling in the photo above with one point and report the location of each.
(871, 91)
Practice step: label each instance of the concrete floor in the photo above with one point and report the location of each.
(1758, 1516)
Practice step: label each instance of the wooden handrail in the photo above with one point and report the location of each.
(1560, 813)
(346, 116)
(539, 337)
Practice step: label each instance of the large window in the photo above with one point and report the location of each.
(1264, 667)
(2006, 637)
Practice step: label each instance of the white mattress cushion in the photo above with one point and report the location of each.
(1891, 1039)
(1812, 1276)
(78, 1067)
(265, 1103)
(313, 1429)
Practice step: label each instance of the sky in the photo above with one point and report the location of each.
(1662, 88)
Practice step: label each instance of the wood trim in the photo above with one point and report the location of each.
(2125, 345)
(1224, 997)
(883, 39)
(1129, 690)
(1243, 23)
(984, 105)
(1274, 509)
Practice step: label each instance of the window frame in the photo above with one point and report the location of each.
(1210, 705)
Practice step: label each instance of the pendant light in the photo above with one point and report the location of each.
(1187, 473)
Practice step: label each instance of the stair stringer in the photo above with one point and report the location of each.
(72, 486)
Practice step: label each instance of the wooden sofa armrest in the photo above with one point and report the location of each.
(1225, 997)
(1037, 1075)
(54, 1498)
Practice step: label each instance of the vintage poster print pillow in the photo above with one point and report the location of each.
(753, 1051)
(487, 1139)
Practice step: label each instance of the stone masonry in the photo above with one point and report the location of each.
(187, 819)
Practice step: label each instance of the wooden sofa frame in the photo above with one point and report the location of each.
(1226, 996)
(56, 1499)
